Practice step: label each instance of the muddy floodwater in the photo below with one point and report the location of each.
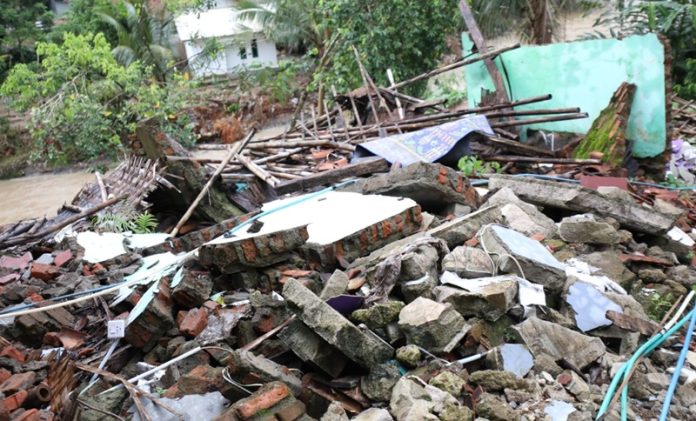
(38, 195)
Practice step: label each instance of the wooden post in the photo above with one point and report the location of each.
(233, 152)
(477, 38)
(390, 76)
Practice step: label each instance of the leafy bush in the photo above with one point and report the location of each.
(143, 223)
(471, 166)
(84, 103)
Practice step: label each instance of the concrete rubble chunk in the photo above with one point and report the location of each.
(543, 337)
(310, 347)
(521, 216)
(335, 286)
(409, 355)
(497, 380)
(265, 369)
(335, 412)
(373, 414)
(363, 348)
(468, 262)
(590, 306)
(490, 301)
(460, 230)
(448, 382)
(378, 384)
(609, 264)
(432, 186)
(494, 408)
(409, 400)
(537, 263)
(579, 199)
(379, 315)
(587, 229)
(434, 326)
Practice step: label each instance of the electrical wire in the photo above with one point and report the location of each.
(678, 368)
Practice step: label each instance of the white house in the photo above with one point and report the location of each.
(244, 43)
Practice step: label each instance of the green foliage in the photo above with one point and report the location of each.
(658, 306)
(83, 102)
(143, 223)
(471, 166)
(279, 83)
(675, 19)
(449, 89)
(83, 17)
(23, 23)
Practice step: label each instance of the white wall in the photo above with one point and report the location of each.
(230, 60)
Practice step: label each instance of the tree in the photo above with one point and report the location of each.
(143, 35)
(83, 102)
(83, 17)
(22, 24)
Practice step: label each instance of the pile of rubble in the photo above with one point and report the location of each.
(409, 295)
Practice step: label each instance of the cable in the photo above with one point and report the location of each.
(644, 349)
(679, 312)
(678, 368)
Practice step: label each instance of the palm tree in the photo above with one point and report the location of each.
(142, 36)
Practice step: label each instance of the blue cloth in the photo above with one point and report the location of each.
(426, 145)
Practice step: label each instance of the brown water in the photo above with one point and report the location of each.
(38, 195)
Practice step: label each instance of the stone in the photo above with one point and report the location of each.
(193, 322)
(650, 276)
(409, 355)
(310, 347)
(559, 342)
(44, 272)
(468, 262)
(490, 301)
(193, 290)
(609, 264)
(150, 325)
(448, 382)
(587, 229)
(494, 408)
(379, 315)
(409, 399)
(372, 414)
(432, 186)
(378, 384)
(577, 386)
(245, 362)
(544, 362)
(683, 275)
(460, 230)
(336, 285)
(521, 216)
(431, 325)
(568, 196)
(335, 412)
(497, 380)
(361, 347)
(111, 401)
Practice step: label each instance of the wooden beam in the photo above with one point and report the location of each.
(477, 38)
(368, 166)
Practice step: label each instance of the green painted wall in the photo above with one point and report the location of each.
(585, 74)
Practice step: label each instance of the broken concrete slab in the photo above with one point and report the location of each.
(590, 306)
(609, 263)
(310, 347)
(434, 326)
(521, 216)
(432, 186)
(587, 229)
(543, 337)
(490, 301)
(528, 255)
(468, 262)
(458, 231)
(335, 285)
(365, 349)
(410, 400)
(576, 198)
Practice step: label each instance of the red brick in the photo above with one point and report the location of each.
(564, 379)
(62, 258)
(17, 382)
(44, 272)
(194, 322)
(16, 263)
(4, 375)
(15, 401)
(265, 398)
(12, 352)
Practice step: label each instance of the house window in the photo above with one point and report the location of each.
(254, 48)
(243, 53)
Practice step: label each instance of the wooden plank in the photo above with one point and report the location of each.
(477, 38)
(369, 166)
